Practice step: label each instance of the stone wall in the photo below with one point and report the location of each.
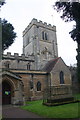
(17, 62)
(43, 48)
(16, 89)
(35, 76)
(55, 74)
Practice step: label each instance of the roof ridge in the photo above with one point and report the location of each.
(50, 64)
(54, 59)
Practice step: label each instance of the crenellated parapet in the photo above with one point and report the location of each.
(39, 23)
(17, 57)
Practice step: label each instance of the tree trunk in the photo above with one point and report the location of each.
(78, 65)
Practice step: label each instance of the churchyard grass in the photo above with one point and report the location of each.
(62, 111)
(77, 96)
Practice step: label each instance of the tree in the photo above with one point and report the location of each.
(8, 34)
(71, 12)
(2, 2)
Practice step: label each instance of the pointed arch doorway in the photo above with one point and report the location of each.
(6, 93)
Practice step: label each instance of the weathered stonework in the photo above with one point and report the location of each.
(35, 76)
(59, 85)
(16, 87)
(60, 66)
(17, 62)
(38, 68)
(39, 39)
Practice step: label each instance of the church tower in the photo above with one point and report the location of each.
(39, 40)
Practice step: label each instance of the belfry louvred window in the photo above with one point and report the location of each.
(44, 35)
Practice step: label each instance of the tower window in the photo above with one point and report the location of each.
(44, 35)
(8, 65)
(61, 77)
(38, 86)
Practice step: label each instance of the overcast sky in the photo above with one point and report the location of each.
(20, 13)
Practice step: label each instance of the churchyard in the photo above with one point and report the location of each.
(70, 110)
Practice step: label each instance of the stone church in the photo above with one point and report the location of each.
(26, 77)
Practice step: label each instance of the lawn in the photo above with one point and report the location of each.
(61, 111)
(77, 96)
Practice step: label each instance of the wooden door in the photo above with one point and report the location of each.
(6, 93)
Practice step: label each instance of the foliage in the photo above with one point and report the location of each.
(62, 111)
(70, 12)
(8, 34)
(78, 63)
(2, 2)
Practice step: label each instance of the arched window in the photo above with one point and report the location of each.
(28, 66)
(43, 35)
(38, 86)
(61, 77)
(31, 84)
(8, 65)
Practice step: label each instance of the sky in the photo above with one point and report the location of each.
(20, 13)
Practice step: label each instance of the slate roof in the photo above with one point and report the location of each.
(50, 65)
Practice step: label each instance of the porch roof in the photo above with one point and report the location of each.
(11, 74)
